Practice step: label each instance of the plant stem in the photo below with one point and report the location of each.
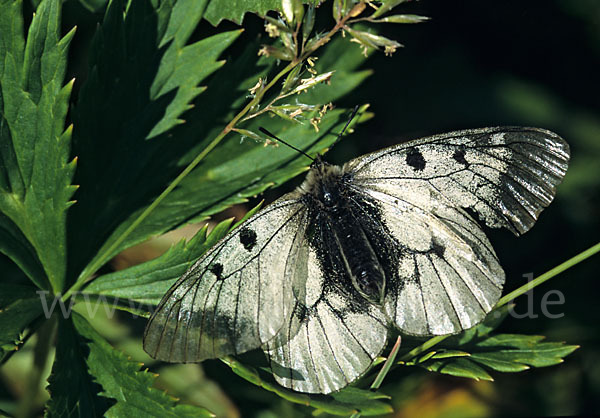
(423, 347)
(387, 366)
(339, 25)
(548, 275)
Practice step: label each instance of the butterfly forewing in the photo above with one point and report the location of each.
(506, 175)
(237, 296)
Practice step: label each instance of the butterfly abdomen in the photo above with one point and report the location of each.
(358, 255)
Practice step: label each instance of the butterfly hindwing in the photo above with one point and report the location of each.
(329, 342)
(235, 298)
(448, 277)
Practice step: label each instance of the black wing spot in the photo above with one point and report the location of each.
(217, 270)
(438, 249)
(415, 159)
(459, 157)
(248, 238)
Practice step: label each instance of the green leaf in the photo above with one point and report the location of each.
(130, 390)
(183, 67)
(93, 5)
(386, 6)
(16, 246)
(19, 305)
(527, 350)
(459, 366)
(149, 281)
(403, 19)
(502, 352)
(142, 77)
(444, 354)
(35, 175)
(348, 401)
(499, 361)
(365, 402)
(73, 391)
(473, 348)
(235, 10)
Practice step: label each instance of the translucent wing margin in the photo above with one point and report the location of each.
(236, 297)
(507, 175)
(327, 344)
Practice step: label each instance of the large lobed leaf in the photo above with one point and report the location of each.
(91, 378)
(35, 174)
(73, 391)
(235, 10)
(142, 77)
(148, 282)
(502, 353)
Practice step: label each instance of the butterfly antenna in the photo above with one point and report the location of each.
(347, 123)
(264, 131)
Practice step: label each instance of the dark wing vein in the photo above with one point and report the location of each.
(331, 348)
(437, 273)
(421, 294)
(258, 298)
(310, 354)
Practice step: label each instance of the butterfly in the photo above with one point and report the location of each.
(390, 239)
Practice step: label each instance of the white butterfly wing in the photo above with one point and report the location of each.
(506, 175)
(328, 343)
(449, 275)
(235, 298)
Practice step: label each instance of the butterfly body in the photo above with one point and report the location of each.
(336, 222)
(317, 278)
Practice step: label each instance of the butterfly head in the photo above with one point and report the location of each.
(323, 183)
